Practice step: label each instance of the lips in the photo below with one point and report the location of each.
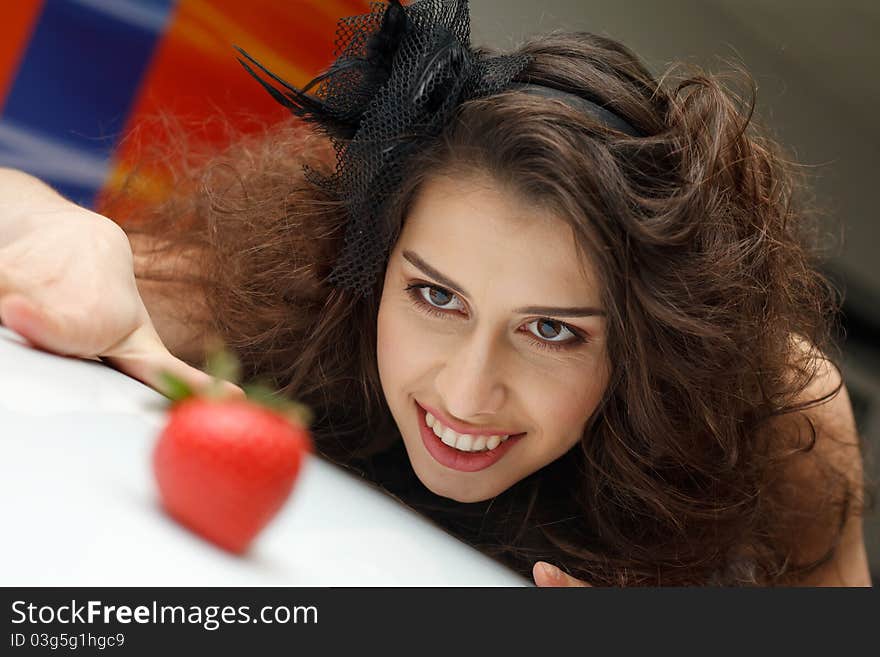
(457, 459)
(461, 429)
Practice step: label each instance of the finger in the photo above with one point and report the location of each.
(150, 370)
(144, 357)
(547, 575)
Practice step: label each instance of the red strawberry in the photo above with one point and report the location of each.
(226, 466)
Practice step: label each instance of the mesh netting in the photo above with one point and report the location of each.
(399, 75)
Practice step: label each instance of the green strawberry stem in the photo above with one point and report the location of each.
(222, 365)
(264, 395)
(174, 388)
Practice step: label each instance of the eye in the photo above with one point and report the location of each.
(432, 296)
(439, 297)
(553, 333)
(436, 297)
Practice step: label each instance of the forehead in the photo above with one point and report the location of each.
(487, 231)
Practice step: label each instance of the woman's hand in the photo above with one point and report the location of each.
(67, 285)
(548, 575)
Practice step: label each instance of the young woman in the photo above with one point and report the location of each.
(568, 311)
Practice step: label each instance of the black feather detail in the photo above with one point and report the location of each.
(301, 104)
(383, 45)
(374, 68)
(447, 63)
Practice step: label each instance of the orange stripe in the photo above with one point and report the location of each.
(19, 20)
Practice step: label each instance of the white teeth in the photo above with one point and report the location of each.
(463, 442)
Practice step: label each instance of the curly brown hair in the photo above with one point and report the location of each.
(709, 266)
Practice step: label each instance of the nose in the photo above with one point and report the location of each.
(471, 382)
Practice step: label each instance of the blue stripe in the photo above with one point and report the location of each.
(71, 170)
(80, 73)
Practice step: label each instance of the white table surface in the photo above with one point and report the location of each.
(80, 507)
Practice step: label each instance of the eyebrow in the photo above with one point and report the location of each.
(577, 311)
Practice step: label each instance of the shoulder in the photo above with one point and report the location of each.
(826, 482)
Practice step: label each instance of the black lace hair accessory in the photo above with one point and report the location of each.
(400, 73)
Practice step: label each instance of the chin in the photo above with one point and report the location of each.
(457, 492)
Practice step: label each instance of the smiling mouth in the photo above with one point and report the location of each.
(454, 456)
(464, 442)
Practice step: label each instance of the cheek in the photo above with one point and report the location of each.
(402, 350)
(562, 404)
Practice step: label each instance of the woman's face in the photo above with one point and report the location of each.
(490, 325)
